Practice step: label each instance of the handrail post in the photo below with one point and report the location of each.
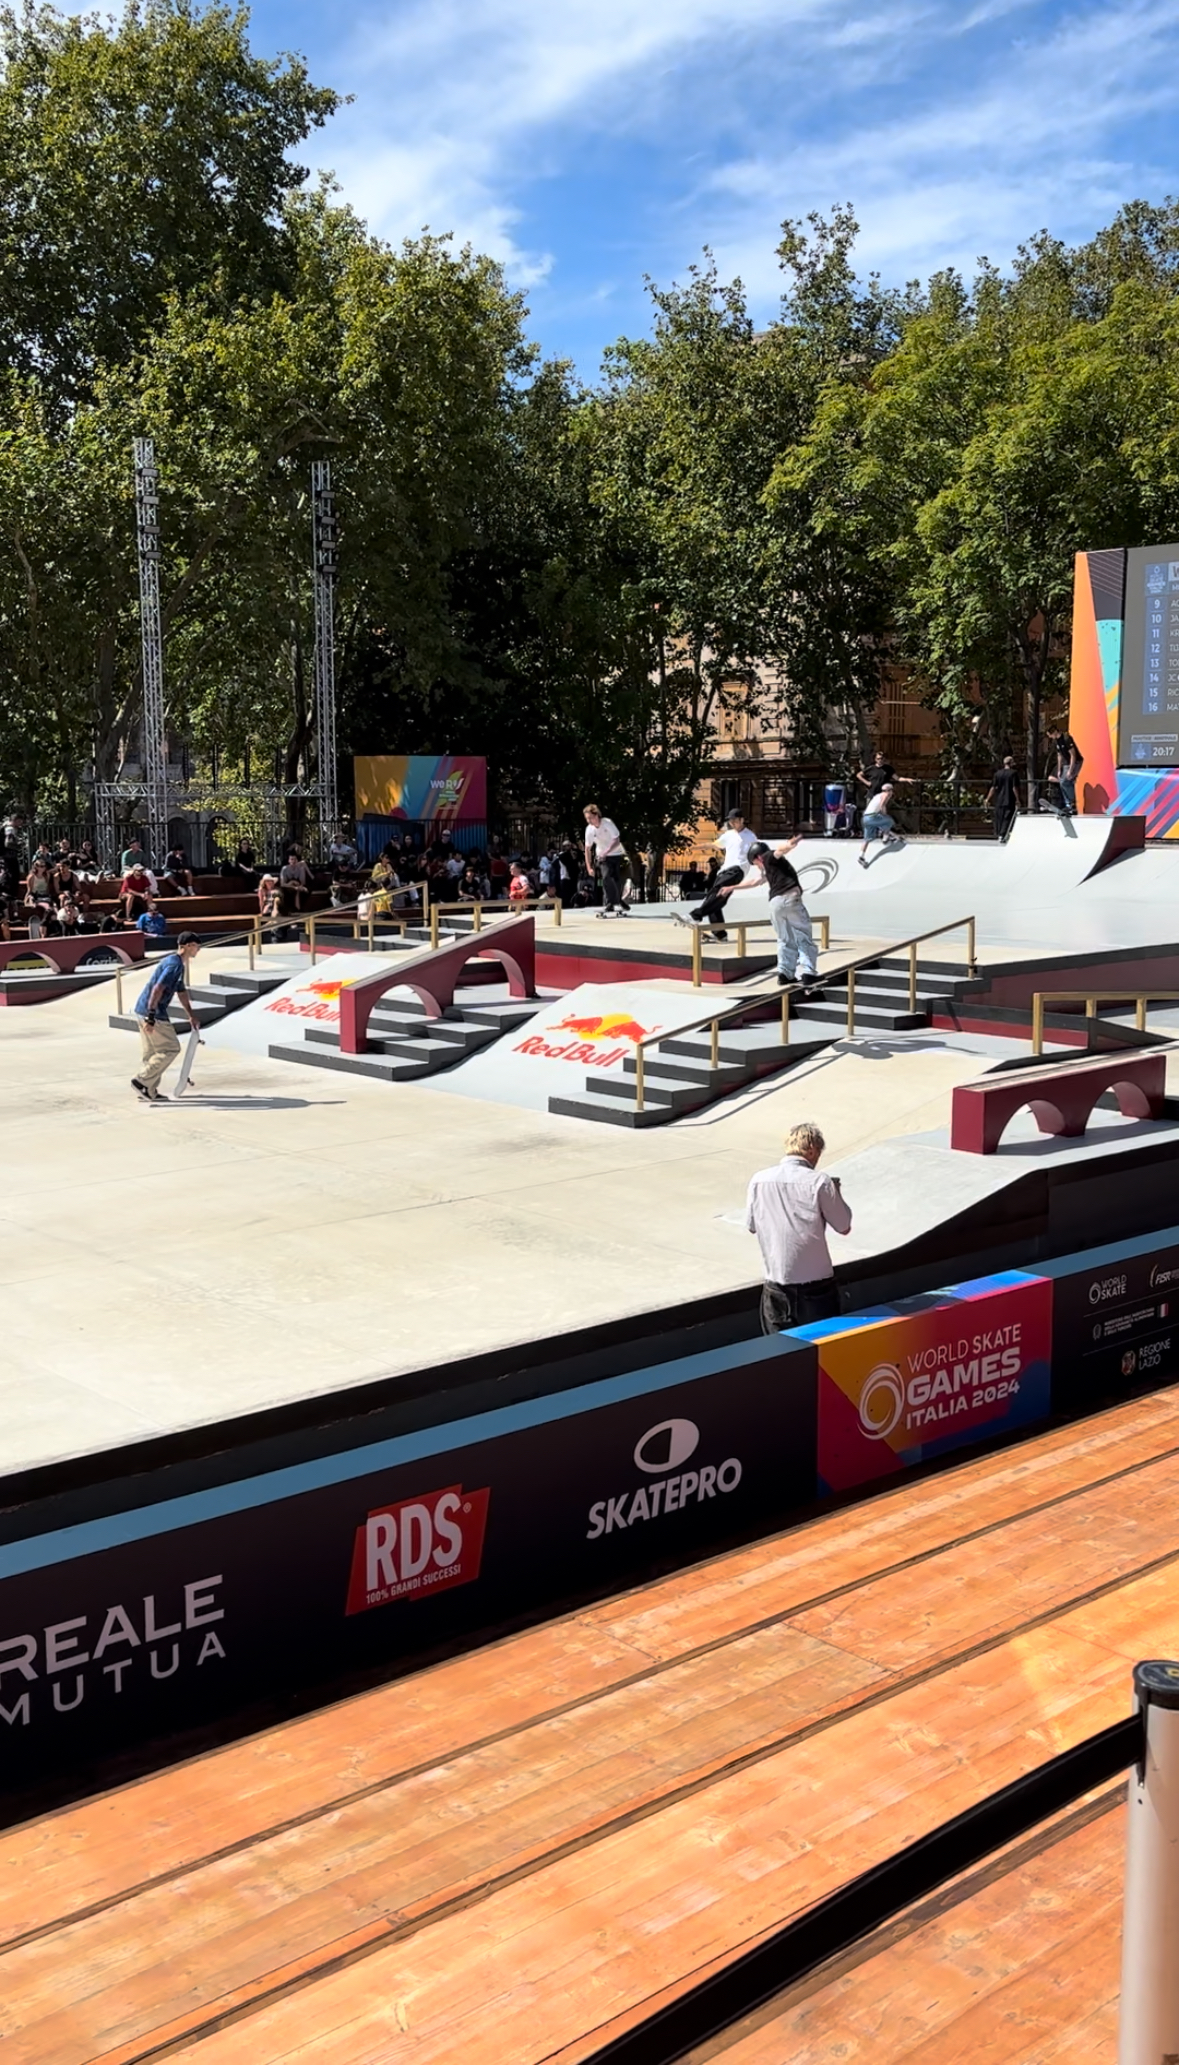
(714, 1056)
(913, 976)
(825, 932)
(311, 938)
(1149, 2014)
(785, 1017)
(639, 1078)
(971, 954)
(478, 918)
(370, 931)
(851, 1002)
(433, 924)
(697, 959)
(1140, 1015)
(741, 937)
(119, 989)
(558, 912)
(1038, 1022)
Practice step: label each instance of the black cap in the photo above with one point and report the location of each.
(734, 814)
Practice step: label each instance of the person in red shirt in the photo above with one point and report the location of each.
(519, 888)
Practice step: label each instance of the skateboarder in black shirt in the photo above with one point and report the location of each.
(1003, 796)
(797, 956)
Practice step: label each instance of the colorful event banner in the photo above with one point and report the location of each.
(421, 788)
(911, 1380)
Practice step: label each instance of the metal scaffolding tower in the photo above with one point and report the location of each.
(155, 742)
(324, 546)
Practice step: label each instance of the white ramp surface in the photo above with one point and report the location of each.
(590, 1031)
(309, 998)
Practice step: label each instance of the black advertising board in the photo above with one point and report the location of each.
(163, 1618)
(1115, 1320)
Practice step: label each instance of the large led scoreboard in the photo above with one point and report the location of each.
(1124, 696)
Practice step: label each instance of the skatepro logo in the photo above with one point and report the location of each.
(657, 1452)
(420, 1545)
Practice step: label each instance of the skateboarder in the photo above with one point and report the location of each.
(603, 844)
(1003, 796)
(158, 1043)
(797, 957)
(878, 824)
(735, 843)
(1069, 762)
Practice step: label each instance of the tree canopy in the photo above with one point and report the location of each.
(575, 579)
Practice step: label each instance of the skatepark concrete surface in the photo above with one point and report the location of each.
(282, 1232)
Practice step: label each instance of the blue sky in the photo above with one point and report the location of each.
(588, 145)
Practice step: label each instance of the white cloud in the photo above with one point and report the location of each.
(952, 130)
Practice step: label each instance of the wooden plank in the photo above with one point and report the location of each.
(544, 1966)
(66, 1862)
(1027, 1968)
(1033, 1565)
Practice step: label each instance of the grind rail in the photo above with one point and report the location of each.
(1148, 1740)
(731, 1014)
(1090, 998)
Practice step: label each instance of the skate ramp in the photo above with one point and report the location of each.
(1055, 883)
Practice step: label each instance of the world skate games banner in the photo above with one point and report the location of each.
(421, 788)
(198, 1594)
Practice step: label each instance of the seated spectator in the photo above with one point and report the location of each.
(137, 885)
(519, 886)
(691, 883)
(295, 880)
(384, 870)
(244, 862)
(86, 861)
(472, 886)
(63, 878)
(133, 856)
(498, 872)
(83, 898)
(454, 870)
(343, 855)
(38, 901)
(152, 922)
(69, 917)
(177, 874)
(342, 894)
(269, 899)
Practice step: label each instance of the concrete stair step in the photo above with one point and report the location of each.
(607, 1111)
(385, 1070)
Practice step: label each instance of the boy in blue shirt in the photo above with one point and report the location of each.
(152, 921)
(158, 1043)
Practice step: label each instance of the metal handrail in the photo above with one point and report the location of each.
(748, 1003)
(741, 927)
(1090, 998)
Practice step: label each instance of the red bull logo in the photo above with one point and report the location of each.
(602, 1039)
(311, 1000)
(610, 1025)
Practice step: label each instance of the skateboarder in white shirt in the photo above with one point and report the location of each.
(603, 844)
(734, 842)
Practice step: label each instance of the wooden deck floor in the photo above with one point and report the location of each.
(513, 1855)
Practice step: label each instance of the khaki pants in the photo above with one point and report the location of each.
(158, 1047)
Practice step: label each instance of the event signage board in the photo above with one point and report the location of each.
(913, 1380)
(421, 788)
(159, 1619)
(1115, 1320)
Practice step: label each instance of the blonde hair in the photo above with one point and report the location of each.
(804, 1139)
(591, 806)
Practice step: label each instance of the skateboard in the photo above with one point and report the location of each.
(184, 1079)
